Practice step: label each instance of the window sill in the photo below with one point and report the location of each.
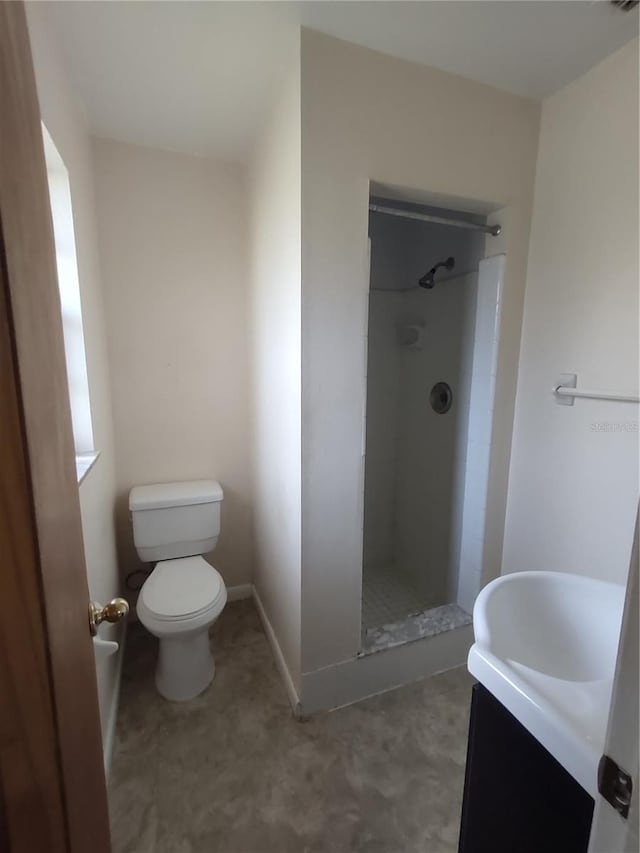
(84, 463)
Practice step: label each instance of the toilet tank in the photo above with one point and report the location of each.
(173, 520)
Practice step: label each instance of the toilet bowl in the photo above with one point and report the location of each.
(178, 604)
(174, 524)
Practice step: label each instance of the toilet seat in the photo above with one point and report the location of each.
(184, 589)
(178, 603)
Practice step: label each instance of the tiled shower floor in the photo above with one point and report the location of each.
(388, 595)
(394, 612)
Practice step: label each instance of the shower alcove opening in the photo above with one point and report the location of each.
(432, 344)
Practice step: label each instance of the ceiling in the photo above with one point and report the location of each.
(195, 76)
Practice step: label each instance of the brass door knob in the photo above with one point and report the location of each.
(114, 611)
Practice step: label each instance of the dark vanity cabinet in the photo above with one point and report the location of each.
(517, 797)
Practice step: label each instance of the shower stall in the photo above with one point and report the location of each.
(434, 304)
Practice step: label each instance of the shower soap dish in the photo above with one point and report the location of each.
(411, 336)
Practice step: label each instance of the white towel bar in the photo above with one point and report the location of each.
(566, 392)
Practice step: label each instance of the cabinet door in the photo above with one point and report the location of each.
(517, 798)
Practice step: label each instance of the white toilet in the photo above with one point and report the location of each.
(173, 525)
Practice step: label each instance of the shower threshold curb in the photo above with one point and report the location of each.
(417, 626)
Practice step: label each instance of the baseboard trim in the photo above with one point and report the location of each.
(239, 592)
(352, 680)
(283, 669)
(110, 736)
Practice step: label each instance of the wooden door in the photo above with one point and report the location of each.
(52, 785)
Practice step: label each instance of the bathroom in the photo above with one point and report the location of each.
(252, 320)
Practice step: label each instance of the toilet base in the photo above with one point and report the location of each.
(185, 666)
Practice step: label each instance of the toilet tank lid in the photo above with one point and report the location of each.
(162, 495)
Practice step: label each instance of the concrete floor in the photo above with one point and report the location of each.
(233, 772)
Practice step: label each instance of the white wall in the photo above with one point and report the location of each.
(574, 474)
(276, 366)
(173, 236)
(480, 433)
(428, 442)
(366, 116)
(64, 119)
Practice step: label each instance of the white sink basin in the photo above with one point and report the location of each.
(545, 646)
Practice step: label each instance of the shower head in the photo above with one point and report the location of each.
(428, 280)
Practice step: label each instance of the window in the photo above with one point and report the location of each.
(69, 286)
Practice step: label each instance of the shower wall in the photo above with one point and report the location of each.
(415, 458)
(431, 447)
(383, 379)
